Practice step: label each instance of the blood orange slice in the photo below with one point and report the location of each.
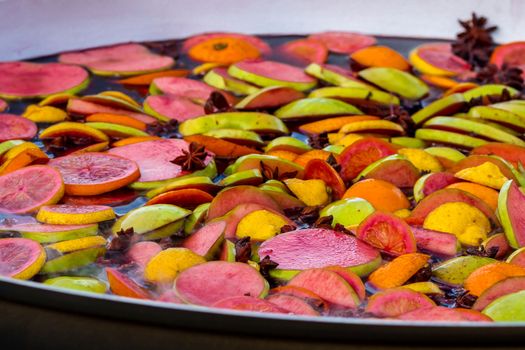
(305, 51)
(438, 59)
(95, 173)
(13, 127)
(20, 258)
(27, 189)
(343, 42)
(388, 233)
(511, 54)
(263, 47)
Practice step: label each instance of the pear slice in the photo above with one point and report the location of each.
(499, 115)
(315, 108)
(288, 143)
(489, 90)
(243, 137)
(220, 79)
(355, 95)
(444, 106)
(373, 126)
(336, 75)
(396, 81)
(449, 138)
(455, 271)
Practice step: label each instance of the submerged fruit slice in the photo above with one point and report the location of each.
(449, 138)
(437, 59)
(13, 127)
(395, 302)
(38, 80)
(454, 271)
(122, 285)
(292, 304)
(169, 107)
(317, 248)
(73, 129)
(44, 233)
(444, 314)
(64, 214)
(148, 218)
(95, 173)
(305, 51)
(208, 283)
(270, 73)
(27, 189)
(388, 233)
(435, 242)
(343, 42)
(194, 90)
(122, 60)
(511, 203)
(84, 284)
(207, 240)
(20, 258)
(247, 303)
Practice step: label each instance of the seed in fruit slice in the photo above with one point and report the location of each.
(27, 189)
(207, 240)
(83, 284)
(395, 302)
(95, 173)
(269, 97)
(444, 106)
(248, 303)
(396, 81)
(348, 212)
(44, 233)
(454, 271)
(396, 272)
(299, 250)
(304, 51)
(38, 80)
(118, 60)
(205, 284)
(388, 233)
(343, 42)
(437, 59)
(13, 127)
(510, 211)
(270, 73)
(64, 214)
(122, 285)
(444, 314)
(170, 107)
(436, 242)
(20, 258)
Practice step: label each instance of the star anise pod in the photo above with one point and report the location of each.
(319, 141)
(243, 250)
(217, 103)
(333, 162)
(492, 252)
(400, 116)
(303, 215)
(491, 99)
(324, 222)
(506, 75)
(122, 241)
(422, 275)
(287, 228)
(270, 173)
(193, 158)
(265, 265)
(167, 129)
(474, 44)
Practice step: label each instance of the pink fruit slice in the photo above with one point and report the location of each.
(438, 181)
(18, 256)
(188, 88)
(263, 47)
(173, 107)
(293, 305)
(388, 233)
(511, 204)
(284, 200)
(208, 283)
(351, 278)
(318, 248)
(153, 158)
(272, 70)
(444, 314)
(435, 242)
(310, 297)
(271, 97)
(328, 285)
(395, 302)
(3, 105)
(343, 42)
(93, 173)
(141, 253)
(440, 56)
(27, 189)
(13, 127)
(399, 172)
(125, 59)
(504, 287)
(247, 303)
(80, 107)
(30, 80)
(305, 51)
(207, 239)
(229, 198)
(510, 54)
(122, 285)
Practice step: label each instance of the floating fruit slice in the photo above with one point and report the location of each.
(437, 59)
(510, 54)
(117, 119)
(486, 276)
(27, 189)
(170, 107)
(74, 130)
(328, 285)
(396, 272)
(395, 169)
(45, 114)
(511, 153)
(381, 194)
(454, 271)
(449, 138)
(498, 166)
(356, 95)
(310, 192)
(265, 164)
(262, 46)
(13, 127)
(113, 198)
(499, 245)
(444, 106)
(305, 51)
(64, 214)
(382, 127)
(116, 130)
(444, 314)
(310, 297)
(20, 156)
(84, 284)
(270, 73)
(343, 42)
(336, 75)
(202, 183)
(379, 56)
(320, 169)
(388, 233)
(147, 79)
(299, 250)
(332, 124)
(119, 60)
(207, 240)
(270, 97)
(194, 90)
(20, 258)
(504, 287)
(396, 81)
(134, 139)
(444, 82)
(148, 218)
(487, 90)
(122, 285)
(77, 106)
(186, 198)
(435, 242)
(510, 209)
(268, 225)
(292, 304)
(223, 50)
(205, 284)
(395, 302)
(220, 79)
(44, 233)
(508, 308)
(164, 267)
(430, 183)
(288, 143)
(38, 80)
(315, 107)
(248, 303)
(95, 173)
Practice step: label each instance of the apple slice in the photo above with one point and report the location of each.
(499, 115)
(315, 108)
(270, 73)
(349, 212)
(489, 90)
(511, 153)
(238, 136)
(508, 308)
(304, 51)
(395, 169)
(288, 143)
(248, 303)
(444, 106)
(355, 95)
(220, 79)
(396, 81)
(270, 97)
(430, 183)
(505, 287)
(292, 304)
(336, 75)
(510, 208)
(170, 107)
(449, 138)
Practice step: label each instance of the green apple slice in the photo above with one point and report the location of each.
(315, 107)
(407, 142)
(444, 106)
(149, 218)
(251, 177)
(355, 95)
(197, 217)
(510, 212)
(44, 233)
(499, 115)
(253, 121)
(449, 138)
(244, 137)
(488, 122)
(489, 90)
(396, 81)
(288, 143)
(508, 308)
(336, 75)
(348, 212)
(220, 79)
(446, 152)
(73, 260)
(84, 284)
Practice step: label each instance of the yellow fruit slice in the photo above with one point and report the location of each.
(487, 174)
(78, 244)
(73, 129)
(260, 225)
(422, 160)
(310, 192)
(374, 126)
(64, 214)
(164, 267)
(44, 114)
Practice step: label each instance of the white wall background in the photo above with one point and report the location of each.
(30, 28)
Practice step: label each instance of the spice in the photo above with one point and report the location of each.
(270, 173)
(506, 75)
(243, 250)
(217, 103)
(475, 44)
(193, 158)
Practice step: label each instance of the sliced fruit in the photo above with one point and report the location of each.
(148, 218)
(454, 271)
(508, 308)
(498, 115)
(437, 59)
(194, 90)
(396, 81)
(74, 254)
(95, 173)
(223, 50)
(499, 246)
(220, 79)
(206, 284)
(387, 233)
(77, 106)
(83, 284)
(449, 138)
(320, 169)
(168, 107)
(147, 79)
(444, 314)
(186, 198)
(164, 267)
(356, 95)
(266, 164)
(381, 194)
(305, 51)
(348, 212)
(203, 183)
(489, 90)
(315, 108)
(292, 304)
(207, 240)
(220, 147)
(373, 127)
(73, 129)
(396, 272)
(486, 276)
(510, 202)
(38, 80)
(511, 153)
(379, 56)
(27, 189)
(430, 183)
(113, 198)
(504, 287)
(268, 224)
(142, 252)
(395, 169)
(134, 139)
(269, 97)
(64, 214)
(439, 243)
(20, 258)
(299, 250)
(446, 155)
(343, 42)
(13, 127)
(487, 194)
(310, 192)
(248, 303)
(119, 60)
(20, 156)
(116, 130)
(45, 114)
(444, 106)
(288, 143)
(122, 285)
(44, 233)
(509, 54)
(336, 75)
(395, 302)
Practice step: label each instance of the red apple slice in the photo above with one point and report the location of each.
(141, 253)
(444, 314)
(168, 107)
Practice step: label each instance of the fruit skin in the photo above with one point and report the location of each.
(430, 183)
(269, 97)
(395, 169)
(489, 90)
(497, 114)
(444, 106)
(292, 304)
(32, 252)
(504, 287)
(396, 81)
(148, 218)
(355, 95)
(164, 267)
(64, 214)
(348, 212)
(454, 271)
(336, 75)
(73, 128)
(508, 308)
(343, 42)
(315, 107)
(398, 271)
(510, 213)
(73, 260)
(43, 233)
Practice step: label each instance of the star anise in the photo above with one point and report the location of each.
(333, 162)
(319, 141)
(122, 241)
(270, 173)
(303, 215)
(492, 252)
(400, 116)
(217, 103)
(62, 144)
(243, 250)
(167, 129)
(193, 158)
(324, 222)
(506, 75)
(422, 275)
(490, 99)
(475, 43)
(265, 265)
